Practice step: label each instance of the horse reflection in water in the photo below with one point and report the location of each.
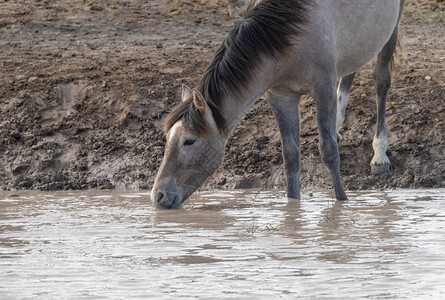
(283, 49)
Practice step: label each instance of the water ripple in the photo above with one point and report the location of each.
(223, 245)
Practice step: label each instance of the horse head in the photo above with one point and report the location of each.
(193, 151)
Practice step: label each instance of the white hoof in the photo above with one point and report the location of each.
(380, 169)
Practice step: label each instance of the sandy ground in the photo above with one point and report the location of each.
(85, 86)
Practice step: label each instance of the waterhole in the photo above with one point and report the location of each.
(223, 245)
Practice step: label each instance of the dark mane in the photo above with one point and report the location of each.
(264, 31)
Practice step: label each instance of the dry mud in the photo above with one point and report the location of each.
(85, 86)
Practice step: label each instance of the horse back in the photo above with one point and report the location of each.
(349, 33)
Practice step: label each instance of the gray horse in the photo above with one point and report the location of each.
(283, 49)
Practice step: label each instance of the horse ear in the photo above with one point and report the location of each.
(198, 100)
(186, 93)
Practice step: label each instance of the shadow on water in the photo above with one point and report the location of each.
(223, 245)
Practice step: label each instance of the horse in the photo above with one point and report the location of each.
(281, 49)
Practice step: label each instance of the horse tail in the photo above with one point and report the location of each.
(395, 57)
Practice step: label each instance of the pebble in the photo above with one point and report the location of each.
(20, 77)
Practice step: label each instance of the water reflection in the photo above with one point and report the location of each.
(232, 244)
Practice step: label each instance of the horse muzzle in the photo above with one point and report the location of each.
(166, 198)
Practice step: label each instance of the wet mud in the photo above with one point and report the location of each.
(85, 86)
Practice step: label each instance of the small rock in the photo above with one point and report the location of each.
(97, 145)
(428, 78)
(32, 79)
(96, 8)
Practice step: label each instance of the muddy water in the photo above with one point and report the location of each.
(223, 245)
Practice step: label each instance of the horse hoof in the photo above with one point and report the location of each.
(380, 169)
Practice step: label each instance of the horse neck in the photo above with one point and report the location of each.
(236, 105)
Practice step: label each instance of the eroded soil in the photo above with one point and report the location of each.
(85, 86)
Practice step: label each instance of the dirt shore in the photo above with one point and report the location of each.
(85, 86)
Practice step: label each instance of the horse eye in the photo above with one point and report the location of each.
(189, 142)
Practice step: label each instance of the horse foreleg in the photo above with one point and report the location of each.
(326, 102)
(286, 110)
(382, 75)
(343, 90)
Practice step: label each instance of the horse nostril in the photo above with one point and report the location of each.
(159, 197)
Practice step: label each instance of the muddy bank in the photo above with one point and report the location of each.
(86, 84)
